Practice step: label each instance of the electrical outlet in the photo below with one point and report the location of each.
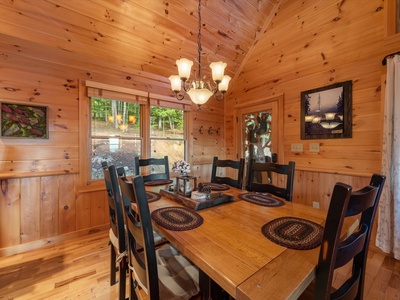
(315, 204)
(314, 147)
(296, 147)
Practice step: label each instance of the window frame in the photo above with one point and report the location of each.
(86, 183)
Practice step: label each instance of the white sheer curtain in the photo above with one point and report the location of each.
(388, 235)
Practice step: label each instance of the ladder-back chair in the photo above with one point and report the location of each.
(265, 184)
(227, 164)
(149, 267)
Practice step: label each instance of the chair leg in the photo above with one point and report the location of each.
(113, 266)
(122, 278)
(210, 289)
(132, 287)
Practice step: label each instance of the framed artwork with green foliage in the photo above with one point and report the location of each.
(24, 121)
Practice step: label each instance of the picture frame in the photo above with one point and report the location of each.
(23, 121)
(326, 112)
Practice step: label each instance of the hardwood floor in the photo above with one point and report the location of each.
(79, 269)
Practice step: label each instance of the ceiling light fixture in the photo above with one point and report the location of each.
(199, 91)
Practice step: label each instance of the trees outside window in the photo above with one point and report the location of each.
(115, 134)
(167, 135)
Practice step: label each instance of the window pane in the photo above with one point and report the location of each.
(174, 149)
(166, 122)
(167, 133)
(116, 151)
(115, 118)
(115, 132)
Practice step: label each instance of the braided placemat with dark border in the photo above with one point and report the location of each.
(152, 196)
(262, 199)
(177, 218)
(216, 186)
(294, 233)
(158, 182)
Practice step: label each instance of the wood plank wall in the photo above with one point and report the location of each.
(309, 44)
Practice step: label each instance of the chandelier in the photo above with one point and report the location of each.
(331, 120)
(198, 90)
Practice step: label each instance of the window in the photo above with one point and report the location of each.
(115, 134)
(123, 123)
(167, 133)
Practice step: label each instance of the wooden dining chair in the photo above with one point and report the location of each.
(261, 177)
(161, 273)
(336, 252)
(157, 168)
(118, 261)
(236, 166)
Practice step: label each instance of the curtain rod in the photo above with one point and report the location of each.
(388, 56)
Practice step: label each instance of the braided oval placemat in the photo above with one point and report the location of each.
(158, 182)
(216, 186)
(294, 233)
(261, 199)
(177, 218)
(152, 196)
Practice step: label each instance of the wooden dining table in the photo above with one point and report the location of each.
(231, 249)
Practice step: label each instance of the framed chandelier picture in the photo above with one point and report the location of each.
(326, 112)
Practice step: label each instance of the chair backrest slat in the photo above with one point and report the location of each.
(161, 165)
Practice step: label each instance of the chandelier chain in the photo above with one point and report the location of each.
(199, 49)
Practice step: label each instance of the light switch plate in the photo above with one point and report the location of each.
(314, 147)
(296, 147)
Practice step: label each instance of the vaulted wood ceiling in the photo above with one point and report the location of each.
(137, 36)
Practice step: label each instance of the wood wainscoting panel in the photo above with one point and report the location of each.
(30, 209)
(67, 204)
(10, 212)
(312, 187)
(36, 211)
(49, 206)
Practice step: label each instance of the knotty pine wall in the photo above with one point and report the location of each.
(311, 44)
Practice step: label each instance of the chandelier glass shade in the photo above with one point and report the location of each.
(331, 120)
(198, 90)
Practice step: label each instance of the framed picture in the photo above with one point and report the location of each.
(24, 121)
(326, 112)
